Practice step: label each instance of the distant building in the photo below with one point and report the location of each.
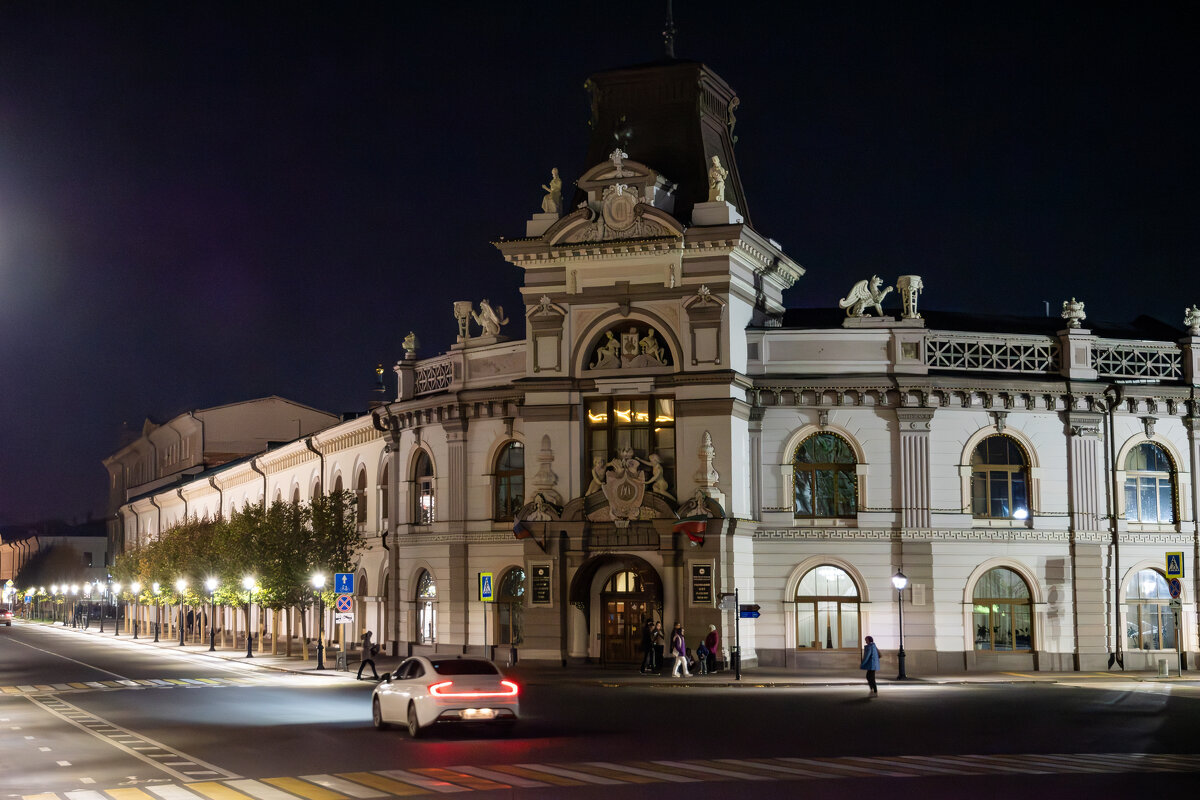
(1027, 476)
(170, 453)
(19, 544)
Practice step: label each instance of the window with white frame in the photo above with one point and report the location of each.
(999, 479)
(827, 610)
(425, 512)
(1149, 485)
(1149, 621)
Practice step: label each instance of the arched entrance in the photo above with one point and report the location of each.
(628, 591)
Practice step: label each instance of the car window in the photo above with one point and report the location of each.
(465, 666)
(406, 670)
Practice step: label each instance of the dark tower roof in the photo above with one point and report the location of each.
(672, 116)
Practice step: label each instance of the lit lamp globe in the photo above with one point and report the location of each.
(180, 585)
(318, 581)
(211, 585)
(136, 588)
(248, 583)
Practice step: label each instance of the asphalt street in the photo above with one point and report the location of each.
(90, 717)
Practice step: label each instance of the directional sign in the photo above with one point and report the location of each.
(343, 583)
(485, 587)
(344, 603)
(1176, 587)
(1174, 565)
(749, 607)
(748, 614)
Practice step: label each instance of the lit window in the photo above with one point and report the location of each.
(1002, 613)
(827, 610)
(645, 425)
(426, 511)
(1149, 482)
(1149, 621)
(510, 481)
(999, 480)
(426, 608)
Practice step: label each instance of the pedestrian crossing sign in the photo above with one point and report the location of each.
(485, 587)
(1174, 565)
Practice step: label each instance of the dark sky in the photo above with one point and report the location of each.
(202, 203)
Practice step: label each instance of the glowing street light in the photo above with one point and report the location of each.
(900, 580)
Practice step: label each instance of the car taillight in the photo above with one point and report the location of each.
(446, 689)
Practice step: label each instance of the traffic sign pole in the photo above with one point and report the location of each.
(737, 638)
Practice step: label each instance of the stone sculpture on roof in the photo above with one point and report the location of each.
(865, 294)
(716, 181)
(1073, 313)
(1191, 320)
(488, 319)
(552, 202)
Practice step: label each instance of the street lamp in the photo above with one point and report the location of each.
(53, 605)
(248, 585)
(900, 580)
(156, 588)
(211, 585)
(74, 605)
(318, 582)
(116, 598)
(180, 587)
(136, 588)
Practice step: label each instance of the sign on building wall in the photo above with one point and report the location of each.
(539, 584)
(702, 583)
(1174, 565)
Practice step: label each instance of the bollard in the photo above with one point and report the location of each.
(342, 666)
(1162, 668)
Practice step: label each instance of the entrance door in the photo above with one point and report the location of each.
(623, 629)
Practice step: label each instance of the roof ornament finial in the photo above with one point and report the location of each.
(669, 32)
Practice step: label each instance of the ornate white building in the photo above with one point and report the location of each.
(1027, 476)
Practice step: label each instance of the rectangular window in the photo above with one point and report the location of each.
(1166, 513)
(1131, 499)
(806, 626)
(642, 424)
(979, 507)
(998, 484)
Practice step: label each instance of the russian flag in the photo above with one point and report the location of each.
(693, 527)
(520, 530)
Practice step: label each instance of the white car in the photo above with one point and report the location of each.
(427, 691)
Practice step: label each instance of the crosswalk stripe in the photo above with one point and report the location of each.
(942, 765)
(127, 794)
(770, 765)
(882, 766)
(727, 773)
(654, 775)
(304, 789)
(10, 689)
(62, 686)
(429, 784)
(217, 791)
(85, 794)
(172, 792)
(546, 777)
(345, 787)
(499, 777)
(384, 783)
(463, 779)
(592, 768)
(676, 772)
(923, 770)
(259, 790)
(43, 796)
(583, 777)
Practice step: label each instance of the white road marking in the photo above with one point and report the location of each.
(647, 773)
(500, 777)
(713, 770)
(68, 658)
(85, 794)
(260, 790)
(424, 782)
(63, 763)
(345, 787)
(586, 777)
(172, 792)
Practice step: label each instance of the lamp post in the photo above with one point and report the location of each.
(248, 585)
(87, 606)
(900, 580)
(211, 585)
(136, 588)
(318, 583)
(53, 609)
(116, 601)
(156, 588)
(180, 587)
(103, 602)
(74, 605)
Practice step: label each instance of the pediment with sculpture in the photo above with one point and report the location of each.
(630, 345)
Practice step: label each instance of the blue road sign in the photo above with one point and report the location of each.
(1174, 565)
(485, 587)
(1176, 587)
(343, 583)
(748, 614)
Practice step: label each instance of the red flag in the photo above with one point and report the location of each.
(693, 527)
(521, 531)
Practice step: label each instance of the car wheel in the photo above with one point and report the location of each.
(377, 715)
(414, 724)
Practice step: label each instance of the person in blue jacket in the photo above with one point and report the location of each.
(870, 663)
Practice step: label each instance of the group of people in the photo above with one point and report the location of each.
(653, 644)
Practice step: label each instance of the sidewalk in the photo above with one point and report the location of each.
(600, 676)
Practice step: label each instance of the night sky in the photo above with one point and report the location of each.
(204, 203)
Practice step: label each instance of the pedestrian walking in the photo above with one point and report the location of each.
(870, 663)
(369, 649)
(191, 621)
(647, 647)
(679, 650)
(712, 643)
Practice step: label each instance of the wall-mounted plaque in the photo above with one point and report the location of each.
(539, 584)
(702, 583)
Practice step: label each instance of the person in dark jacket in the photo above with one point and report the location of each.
(368, 656)
(712, 646)
(870, 663)
(647, 647)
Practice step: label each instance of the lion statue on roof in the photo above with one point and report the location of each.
(864, 294)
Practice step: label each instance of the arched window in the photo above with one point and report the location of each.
(426, 609)
(1149, 482)
(510, 481)
(337, 485)
(999, 480)
(628, 582)
(1149, 621)
(296, 496)
(825, 480)
(426, 511)
(360, 498)
(384, 482)
(509, 606)
(1003, 614)
(827, 610)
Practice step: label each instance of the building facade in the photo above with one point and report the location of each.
(1027, 476)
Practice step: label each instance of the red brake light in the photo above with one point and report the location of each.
(446, 689)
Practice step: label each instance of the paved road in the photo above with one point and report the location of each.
(91, 718)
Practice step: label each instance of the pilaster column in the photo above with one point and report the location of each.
(914, 466)
(456, 469)
(756, 463)
(1085, 492)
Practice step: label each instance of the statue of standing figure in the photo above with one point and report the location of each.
(552, 202)
(716, 181)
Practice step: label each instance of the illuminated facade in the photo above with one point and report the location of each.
(1027, 476)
